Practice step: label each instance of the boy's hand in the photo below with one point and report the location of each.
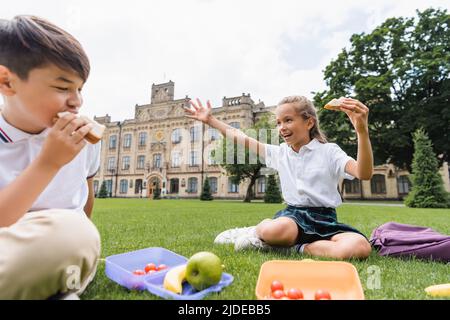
(64, 141)
(358, 114)
(201, 113)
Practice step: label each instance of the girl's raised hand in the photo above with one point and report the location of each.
(358, 114)
(198, 111)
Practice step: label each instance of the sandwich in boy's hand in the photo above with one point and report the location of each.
(334, 104)
(96, 133)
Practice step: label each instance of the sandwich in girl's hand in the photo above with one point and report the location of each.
(96, 133)
(334, 104)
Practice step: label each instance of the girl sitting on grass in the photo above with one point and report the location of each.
(309, 169)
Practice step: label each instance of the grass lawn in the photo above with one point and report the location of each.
(189, 226)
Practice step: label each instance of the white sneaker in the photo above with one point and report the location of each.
(250, 242)
(71, 296)
(230, 236)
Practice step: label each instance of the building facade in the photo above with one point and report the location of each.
(162, 149)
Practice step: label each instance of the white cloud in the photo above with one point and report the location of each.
(210, 49)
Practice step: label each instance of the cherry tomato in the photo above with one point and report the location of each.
(322, 295)
(161, 267)
(276, 285)
(139, 272)
(151, 271)
(295, 294)
(150, 266)
(278, 294)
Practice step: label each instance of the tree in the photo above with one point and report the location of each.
(401, 71)
(103, 193)
(428, 188)
(273, 194)
(239, 172)
(157, 192)
(206, 193)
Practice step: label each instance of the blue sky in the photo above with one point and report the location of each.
(209, 48)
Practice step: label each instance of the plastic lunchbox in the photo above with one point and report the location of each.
(119, 268)
(339, 278)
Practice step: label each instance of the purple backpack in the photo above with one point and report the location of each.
(402, 240)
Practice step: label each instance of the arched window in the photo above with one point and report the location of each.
(112, 141)
(127, 141)
(352, 186)
(261, 184)
(232, 187)
(142, 139)
(174, 185)
(213, 184)
(176, 135)
(236, 125)
(192, 185)
(123, 186)
(138, 186)
(403, 185)
(195, 133)
(378, 184)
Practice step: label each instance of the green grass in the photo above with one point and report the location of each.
(189, 226)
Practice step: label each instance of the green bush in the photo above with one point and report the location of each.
(206, 193)
(428, 188)
(273, 194)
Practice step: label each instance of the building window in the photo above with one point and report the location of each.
(213, 184)
(111, 163)
(126, 163)
(236, 125)
(176, 159)
(193, 159)
(96, 186)
(213, 134)
(176, 135)
(232, 187)
(140, 162)
(112, 142)
(109, 187)
(174, 185)
(192, 185)
(352, 186)
(123, 186)
(142, 139)
(261, 184)
(403, 185)
(127, 141)
(211, 158)
(157, 160)
(378, 184)
(195, 133)
(138, 186)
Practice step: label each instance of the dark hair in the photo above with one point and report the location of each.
(28, 42)
(305, 108)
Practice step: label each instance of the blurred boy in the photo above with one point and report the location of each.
(48, 245)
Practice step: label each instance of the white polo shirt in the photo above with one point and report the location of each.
(310, 177)
(68, 189)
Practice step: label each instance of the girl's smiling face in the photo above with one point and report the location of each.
(292, 126)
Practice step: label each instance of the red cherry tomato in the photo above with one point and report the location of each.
(322, 295)
(278, 294)
(150, 266)
(276, 285)
(161, 267)
(139, 272)
(295, 294)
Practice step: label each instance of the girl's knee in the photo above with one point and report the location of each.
(278, 232)
(359, 249)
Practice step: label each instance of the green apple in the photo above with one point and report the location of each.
(203, 270)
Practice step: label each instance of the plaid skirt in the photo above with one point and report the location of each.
(315, 223)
